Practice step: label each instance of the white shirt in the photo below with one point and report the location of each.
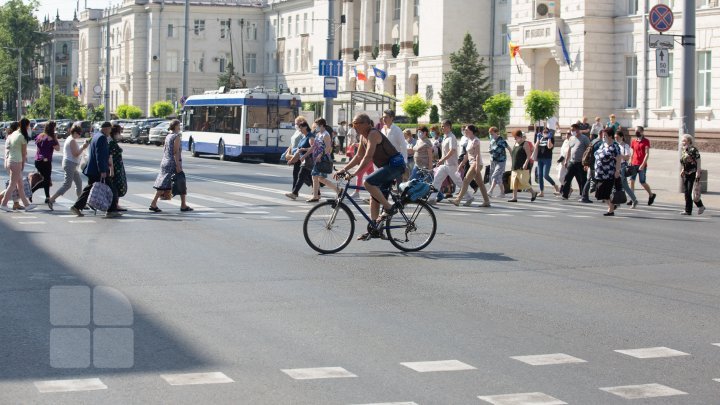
(351, 137)
(448, 144)
(552, 123)
(295, 139)
(67, 150)
(395, 135)
(461, 144)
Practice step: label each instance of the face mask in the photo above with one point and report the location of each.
(638, 134)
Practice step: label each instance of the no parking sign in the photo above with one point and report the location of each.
(661, 18)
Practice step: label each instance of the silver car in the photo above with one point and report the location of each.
(158, 133)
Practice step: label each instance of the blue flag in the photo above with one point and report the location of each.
(379, 73)
(564, 49)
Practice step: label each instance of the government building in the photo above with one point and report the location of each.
(594, 53)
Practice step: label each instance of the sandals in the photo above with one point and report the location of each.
(186, 209)
(314, 199)
(154, 209)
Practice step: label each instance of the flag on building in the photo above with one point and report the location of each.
(359, 74)
(80, 89)
(514, 48)
(566, 55)
(379, 73)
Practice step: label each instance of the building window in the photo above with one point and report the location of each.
(502, 86)
(282, 27)
(305, 23)
(199, 27)
(504, 40)
(377, 11)
(290, 26)
(171, 94)
(704, 74)
(669, 3)
(289, 61)
(63, 70)
(171, 31)
(224, 29)
(297, 60)
(250, 63)
(632, 7)
(297, 24)
(666, 85)
(171, 61)
(223, 62)
(416, 8)
(396, 11)
(631, 82)
(267, 31)
(252, 32)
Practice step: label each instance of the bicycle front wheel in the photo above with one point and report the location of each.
(412, 228)
(328, 227)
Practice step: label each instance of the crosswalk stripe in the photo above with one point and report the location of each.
(220, 200)
(267, 199)
(175, 203)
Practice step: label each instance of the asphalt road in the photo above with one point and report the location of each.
(233, 289)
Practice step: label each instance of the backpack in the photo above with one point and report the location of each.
(415, 189)
(588, 158)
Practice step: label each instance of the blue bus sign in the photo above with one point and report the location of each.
(330, 89)
(330, 68)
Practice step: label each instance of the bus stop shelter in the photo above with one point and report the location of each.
(348, 103)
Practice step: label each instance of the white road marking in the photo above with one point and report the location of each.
(276, 217)
(31, 223)
(225, 201)
(500, 215)
(580, 216)
(542, 216)
(459, 214)
(88, 384)
(716, 344)
(268, 174)
(548, 359)
(318, 373)
(268, 199)
(716, 379)
(196, 378)
(24, 217)
(652, 353)
(176, 203)
(298, 211)
(83, 221)
(391, 403)
(643, 391)
(441, 365)
(528, 398)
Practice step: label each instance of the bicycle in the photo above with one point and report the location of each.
(329, 226)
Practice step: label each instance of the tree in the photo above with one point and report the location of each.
(161, 109)
(97, 114)
(465, 87)
(415, 106)
(434, 116)
(229, 79)
(65, 106)
(19, 29)
(497, 110)
(72, 109)
(128, 111)
(121, 110)
(541, 104)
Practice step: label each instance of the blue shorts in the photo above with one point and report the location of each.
(316, 173)
(384, 177)
(642, 173)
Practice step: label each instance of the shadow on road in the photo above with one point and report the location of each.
(500, 257)
(27, 273)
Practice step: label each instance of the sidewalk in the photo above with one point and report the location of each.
(663, 175)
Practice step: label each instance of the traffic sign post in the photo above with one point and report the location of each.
(661, 18)
(330, 89)
(330, 68)
(662, 63)
(661, 41)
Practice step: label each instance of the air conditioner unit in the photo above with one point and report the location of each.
(545, 9)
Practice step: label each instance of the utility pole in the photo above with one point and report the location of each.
(52, 76)
(328, 106)
(687, 124)
(186, 56)
(242, 46)
(19, 94)
(107, 67)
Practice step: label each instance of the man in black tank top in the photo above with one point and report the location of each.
(375, 148)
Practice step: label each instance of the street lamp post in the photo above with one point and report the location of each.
(52, 77)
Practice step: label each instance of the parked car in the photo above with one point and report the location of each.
(37, 129)
(160, 132)
(62, 129)
(145, 125)
(87, 128)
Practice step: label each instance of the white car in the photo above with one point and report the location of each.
(159, 132)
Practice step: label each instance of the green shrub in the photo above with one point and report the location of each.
(162, 109)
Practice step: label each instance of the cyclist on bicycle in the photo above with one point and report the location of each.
(375, 148)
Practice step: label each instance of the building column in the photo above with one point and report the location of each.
(348, 33)
(406, 28)
(385, 29)
(366, 29)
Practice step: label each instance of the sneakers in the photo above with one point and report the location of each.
(440, 197)
(633, 203)
(609, 214)
(6, 208)
(77, 212)
(534, 196)
(30, 207)
(50, 205)
(701, 210)
(585, 200)
(685, 213)
(469, 201)
(354, 196)
(112, 214)
(291, 196)
(651, 200)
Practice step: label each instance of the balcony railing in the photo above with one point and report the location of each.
(540, 33)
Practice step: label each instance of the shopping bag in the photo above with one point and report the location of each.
(100, 197)
(26, 186)
(179, 184)
(697, 188)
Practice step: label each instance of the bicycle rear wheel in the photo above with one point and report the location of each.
(412, 228)
(328, 228)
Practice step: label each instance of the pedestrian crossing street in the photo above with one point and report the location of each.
(638, 388)
(242, 201)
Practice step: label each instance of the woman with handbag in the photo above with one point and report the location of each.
(520, 177)
(691, 171)
(607, 170)
(322, 162)
(302, 158)
(292, 149)
(542, 154)
(70, 164)
(625, 154)
(170, 165)
(474, 172)
(46, 143)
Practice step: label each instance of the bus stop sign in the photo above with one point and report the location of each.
(661, 18)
